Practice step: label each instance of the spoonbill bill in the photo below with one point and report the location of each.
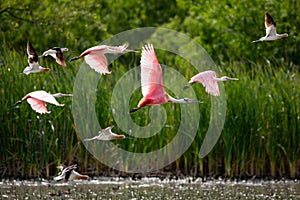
(96, 59)
(57, 54)
(152, 83)
(69, 174)
(39, 98)
(271, 33)
(34, 66)
(106, 134)
(210, 81)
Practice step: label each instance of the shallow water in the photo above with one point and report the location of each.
(150, 188)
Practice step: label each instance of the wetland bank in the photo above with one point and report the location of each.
(260, 137)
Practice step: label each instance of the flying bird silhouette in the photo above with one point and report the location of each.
(209, 80)
(152, 83)
(95, 56)
(39, 98)
(34, 66)
(57, 54)
(271, 33)
(69, 174)
(106, 134)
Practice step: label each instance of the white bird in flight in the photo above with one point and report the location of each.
(34, 66)
(57, 54)
(39, 98)
(96, 59)
(210, 81)
(271, 33)
(106, 134)
(69, 174)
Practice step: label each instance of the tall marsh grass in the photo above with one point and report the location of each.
(260, 137)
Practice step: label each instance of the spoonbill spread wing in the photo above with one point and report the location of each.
(151, 74)
(97, 61)
(38, 105)
(207, 80)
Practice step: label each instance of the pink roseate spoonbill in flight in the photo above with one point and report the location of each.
(106, 134)
(96, 59)
(57, 54)
(152, 83)
(69, 174)
(271, 33)
(34, 66)
(39, 98)
(210, 81)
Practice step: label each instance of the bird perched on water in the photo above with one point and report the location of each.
(34, 66)
(39, 98)
(69, 174)
(95, 56)
(106, 134)
(57, 54)
(271, 33)
(152, 83)
(210, 81)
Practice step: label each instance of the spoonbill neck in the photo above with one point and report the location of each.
(184, 100)
(225, 78)
(173, 100)
(58, 95)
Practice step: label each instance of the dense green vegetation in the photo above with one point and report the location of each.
(261, 132)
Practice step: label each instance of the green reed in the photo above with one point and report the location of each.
(260, 135)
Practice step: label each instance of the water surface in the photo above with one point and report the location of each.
(150, 188)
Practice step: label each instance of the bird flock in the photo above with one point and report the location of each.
(151, 82)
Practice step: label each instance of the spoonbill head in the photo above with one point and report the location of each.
(152, 83)
(96, 59)
(271, 33)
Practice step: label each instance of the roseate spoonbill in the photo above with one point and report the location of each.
(57, 54)
(152, 83)
(271, 33)
(34, 66)
(210, 81)
(96, 59)
(39, 98)
(69, 174)
(106, 134)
